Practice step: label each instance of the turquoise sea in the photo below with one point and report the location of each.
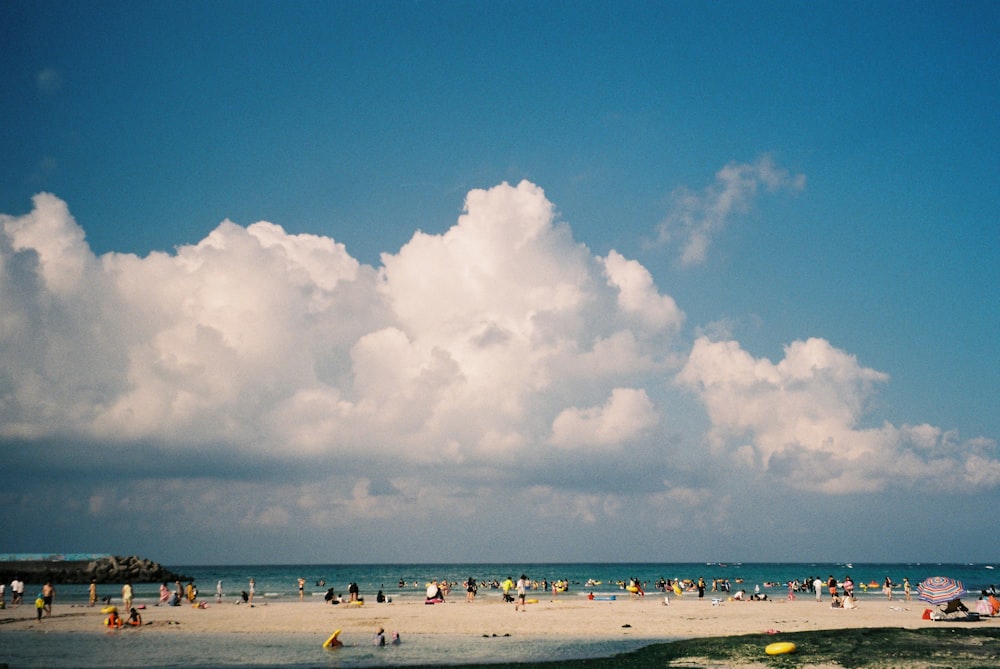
(280, 582)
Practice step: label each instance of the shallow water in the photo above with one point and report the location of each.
(279, 582)
(127, 649)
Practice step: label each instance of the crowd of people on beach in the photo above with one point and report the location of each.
(842, 593)
(43, 601)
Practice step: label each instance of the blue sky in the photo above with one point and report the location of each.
(275, 274)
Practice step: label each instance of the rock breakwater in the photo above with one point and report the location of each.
(106, 569)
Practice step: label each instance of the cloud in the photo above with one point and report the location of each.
(626, 414)
(259, 343)
(801, 420)
(696, 219)
(637, 295)
(498, 368)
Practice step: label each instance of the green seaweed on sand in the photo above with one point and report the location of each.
(866, 648)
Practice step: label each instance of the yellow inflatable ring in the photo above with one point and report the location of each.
(780, 648)
(332, 641)
(632, 588)
(531, 601)
(109, 609)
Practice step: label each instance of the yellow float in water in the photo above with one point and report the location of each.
(780, 648)
(333, 641)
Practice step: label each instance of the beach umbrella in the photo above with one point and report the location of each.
(940, 589)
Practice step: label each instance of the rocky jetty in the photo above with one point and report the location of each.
(106, 569)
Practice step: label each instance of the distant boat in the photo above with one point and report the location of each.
(989, 566)
(849, 565)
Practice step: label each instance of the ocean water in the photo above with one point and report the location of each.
(280, 583)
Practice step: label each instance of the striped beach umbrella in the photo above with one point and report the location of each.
(940, 589)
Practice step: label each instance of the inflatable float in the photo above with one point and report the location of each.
(333, 641)
(780, 648)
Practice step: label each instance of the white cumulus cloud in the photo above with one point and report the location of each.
(501, 365)
(627, 414)
(801, 419)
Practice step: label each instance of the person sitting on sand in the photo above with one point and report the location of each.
(850, 602)
(114, 620)
(994, 605)
(740, 595)
(395, 639)
(434, 594)
(379, 638)
(954, 606)
(134, 619)
(835, 602)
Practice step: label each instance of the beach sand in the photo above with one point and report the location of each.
(568, 616)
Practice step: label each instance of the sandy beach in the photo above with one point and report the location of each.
(570, 616)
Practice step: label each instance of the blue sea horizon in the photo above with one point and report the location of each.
(281, 580)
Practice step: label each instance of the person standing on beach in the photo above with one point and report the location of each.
(906, 588)
(48, 595)
(470, 589)
(93, 591)
(218, 592)
(15, 597)
(302, 586)
(887, 588)
(522, 593)
(507, 586)
(818, 587)
(127, 595)
(253, 588)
